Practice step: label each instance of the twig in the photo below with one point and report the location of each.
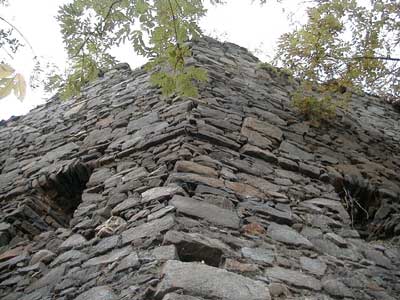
(375, 58)
(11, 57)
(349, 200)
(366, 57)
(174, 22)
(174, 18)
(20, 33)
(97, 28)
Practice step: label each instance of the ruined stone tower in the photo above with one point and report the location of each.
(232, 196)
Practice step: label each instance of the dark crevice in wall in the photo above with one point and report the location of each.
(62, 193)
(194, 252)
(372, 213)
(50, 204)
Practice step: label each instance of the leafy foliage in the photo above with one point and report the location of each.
(156, 29)
(11, 81)
(343, 47)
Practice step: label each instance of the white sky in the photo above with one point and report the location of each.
(249, 25)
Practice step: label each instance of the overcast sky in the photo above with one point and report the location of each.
(249, 25)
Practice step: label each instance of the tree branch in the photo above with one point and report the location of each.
(19, 32)
(174, 21)
(174, 18)
(376, 58)
(97, 28)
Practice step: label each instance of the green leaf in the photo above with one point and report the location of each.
(6, 70)
(6, 87)
(19, 87)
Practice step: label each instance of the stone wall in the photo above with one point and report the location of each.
(119, 194)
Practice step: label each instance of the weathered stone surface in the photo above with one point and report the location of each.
(264, 128)
(294, 278)
(130, 261)
(276, 215)
(174, 296)
(205, 281)
(11, 281)
(49, 280)
(256, 139)
(313, 266)
(192, 167)
(43, 255)
(209, 212)
(166, 253)
(111, 226)
(109, 258)
(74, 256)
(160, 213)
(338, 240)
(127, 204)
(106, 244)
(98, 293)
(261, 255)
(181, 178)
(336, 288)
(378, 257)
(257, 152)
(287, 235)
(149, 229)
(333, 205)
(236, 266)
(278, 290)
(328, 247)
(242, 189)
(161, 193)
(11, 253)
(74, 241)
(294, 152)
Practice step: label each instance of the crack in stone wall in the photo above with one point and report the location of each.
(61, 193)
(375, 215)
(49, 204)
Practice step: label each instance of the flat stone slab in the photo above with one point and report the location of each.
(174, 296)
(287, 235)
(337, 239)
(75, 240)
(275, 215)
(125, 205)
(192, 167)
(161, 193)
(294, 278)
(295, 152)
(49, 280)
(109, 258)
(336, 288)
(130, 261)
(264, 128)
(266, 256)
(204, 281)
(98, 293)
(71, 255)
(209, 212)
(165, 253)
(336, 206)
(149, 229)
(314, 266)
(258, 152)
